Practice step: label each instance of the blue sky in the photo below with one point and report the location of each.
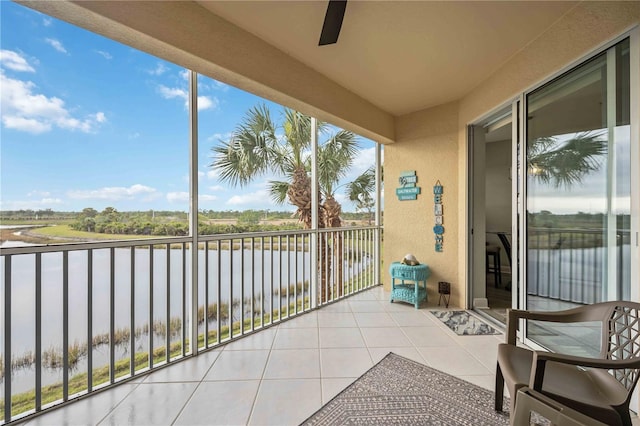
(89, 122)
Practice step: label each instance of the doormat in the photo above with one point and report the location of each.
(464, 324)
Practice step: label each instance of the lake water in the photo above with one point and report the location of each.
(256, 271)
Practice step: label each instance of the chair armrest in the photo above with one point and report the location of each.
(579, 314)
(540, 358)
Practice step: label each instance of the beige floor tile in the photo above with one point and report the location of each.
(296, 338)
(286, 402)
(344, 362)
(341, 338)
(151, 404)
(382, 337)
(453, 360)
(428, 336)
(238, 365)
(220, 403)
(333, 386)
(373, 319)
(336, 319)
(293, 364)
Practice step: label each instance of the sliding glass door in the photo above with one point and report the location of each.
(578, 194)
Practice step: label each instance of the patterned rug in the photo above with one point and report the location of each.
(463, 323)
(399, 391)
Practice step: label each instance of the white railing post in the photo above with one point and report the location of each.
(193, 210)
(314, 215)
(378, 215)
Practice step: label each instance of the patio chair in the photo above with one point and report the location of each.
(599, 387)
(530, 401)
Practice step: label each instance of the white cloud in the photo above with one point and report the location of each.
(260, 195)
(212, 174)
(216, 137)
(178, 197)
(159, 69)
(217, 188)
(134, 135)
(47, 201)
(37, 193)
(341, 198)
(184, 74)
(56, 44)
(204, 102)
(183, 197)
(207, 197)
(170, 93)
(104, 54)
(30, 125)
(24, 110)
(117, 193)
(14, 61)
(43, 203)
(47, 22)
(365, 159)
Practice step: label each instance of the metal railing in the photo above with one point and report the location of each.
(570, 264)
(81, 317)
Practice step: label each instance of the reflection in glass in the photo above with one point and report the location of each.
(578, 192)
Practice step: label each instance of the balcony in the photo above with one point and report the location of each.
(79, 318)
(284, 373)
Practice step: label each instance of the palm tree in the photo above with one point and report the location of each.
(255, 149)
(565, 163)
(360, 191)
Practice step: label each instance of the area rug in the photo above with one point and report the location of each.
(399, 391)
(463, 323)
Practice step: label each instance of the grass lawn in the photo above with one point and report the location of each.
(64, 231)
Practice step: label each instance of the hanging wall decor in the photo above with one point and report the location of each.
(408, 189)
(438, 229)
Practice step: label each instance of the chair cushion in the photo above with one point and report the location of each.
(575, 387)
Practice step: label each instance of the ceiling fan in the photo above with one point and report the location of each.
(332, 22)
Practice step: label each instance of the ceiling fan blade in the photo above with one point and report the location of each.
(332, 22)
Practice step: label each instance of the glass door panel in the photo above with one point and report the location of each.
(578, 198)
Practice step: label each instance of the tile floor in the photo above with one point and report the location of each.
(281, 375)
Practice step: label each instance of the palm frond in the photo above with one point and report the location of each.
(250, 151)
(297, 131)
(335, 157)
(278, 191)
(566, 163)
(362, 186)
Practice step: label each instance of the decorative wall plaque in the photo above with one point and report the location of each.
(408, 189)
(438, 229)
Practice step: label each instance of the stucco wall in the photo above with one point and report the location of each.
(434, 141)
(426, 143)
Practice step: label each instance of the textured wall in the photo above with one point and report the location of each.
(426, 143)
(433, 144)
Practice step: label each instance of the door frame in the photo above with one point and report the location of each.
(473, 262)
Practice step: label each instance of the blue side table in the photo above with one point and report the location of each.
(413, 293)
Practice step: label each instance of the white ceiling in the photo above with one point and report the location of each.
(400, 56)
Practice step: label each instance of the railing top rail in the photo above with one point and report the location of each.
(49, 248)
(237, 236)
(577, 230)
(94, 245)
